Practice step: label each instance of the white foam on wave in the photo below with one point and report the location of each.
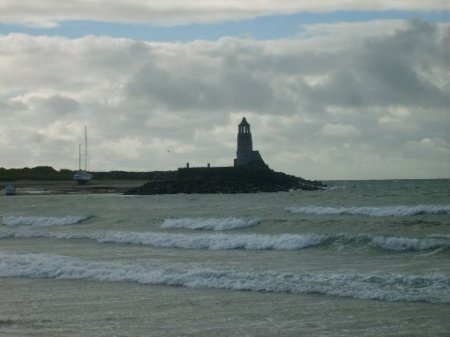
(440, 236)
(217, 224)
(185, 241)
(404, 244)
(205, 241)
(386, 287)
(240, 241)
(372, 211)
(39, 221)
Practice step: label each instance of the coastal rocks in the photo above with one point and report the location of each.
(226, 180)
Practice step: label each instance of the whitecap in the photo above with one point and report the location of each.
(401, 210)
(217, 224)
(39, 221)
(404, 244)
(239, 241)
(210, 241)
(385, 287)
(183, 241)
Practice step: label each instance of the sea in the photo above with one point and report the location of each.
(359, 258)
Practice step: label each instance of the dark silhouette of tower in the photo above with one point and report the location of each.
(245, 156)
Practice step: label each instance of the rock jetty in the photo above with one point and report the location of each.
(249, 174)
(226, 180)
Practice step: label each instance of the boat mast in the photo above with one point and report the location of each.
(85, 148)
(79, 157)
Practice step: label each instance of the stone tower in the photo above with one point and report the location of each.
(245, 156)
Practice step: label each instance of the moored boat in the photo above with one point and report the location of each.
(10, 189)
(82, 176)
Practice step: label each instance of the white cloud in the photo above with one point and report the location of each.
(339, 130)
(152, 106)
(48, 13)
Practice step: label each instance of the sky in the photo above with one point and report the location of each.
(332, 89)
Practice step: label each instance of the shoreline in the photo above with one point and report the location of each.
(53, 187)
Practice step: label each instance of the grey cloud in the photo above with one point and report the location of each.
(10, 108)
(58, 105)
(230, 87)
(386, 71)
(158, 105)
(48, 13)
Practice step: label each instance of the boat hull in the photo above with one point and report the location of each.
(82, 177)
(10, 189)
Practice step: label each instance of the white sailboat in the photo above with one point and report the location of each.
(83, 176)
(10, 189)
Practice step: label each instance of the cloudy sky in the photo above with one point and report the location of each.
(332, 89)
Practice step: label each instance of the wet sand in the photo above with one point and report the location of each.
(33, 187)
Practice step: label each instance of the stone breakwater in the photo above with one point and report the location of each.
(226, 180)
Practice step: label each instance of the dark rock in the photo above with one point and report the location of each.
(226, 180)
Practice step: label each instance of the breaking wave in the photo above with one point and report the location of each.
(217, 224)
(385, 287)
(399, 244)
(38, 221)
(242, 241)
(186, 241)
(373, 211)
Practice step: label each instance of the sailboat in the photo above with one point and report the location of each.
(10, 189)
(83, 176)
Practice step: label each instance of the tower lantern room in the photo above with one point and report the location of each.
(244, 139)
(244, 127)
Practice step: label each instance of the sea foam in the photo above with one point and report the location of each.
(404, 244)
(203, 241)
(372, 211)
(217, 224)
(240, 241)
(386, 287)
(38, 221)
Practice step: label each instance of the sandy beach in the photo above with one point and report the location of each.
(34, 187)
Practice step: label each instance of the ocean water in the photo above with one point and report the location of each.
(362, 258)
